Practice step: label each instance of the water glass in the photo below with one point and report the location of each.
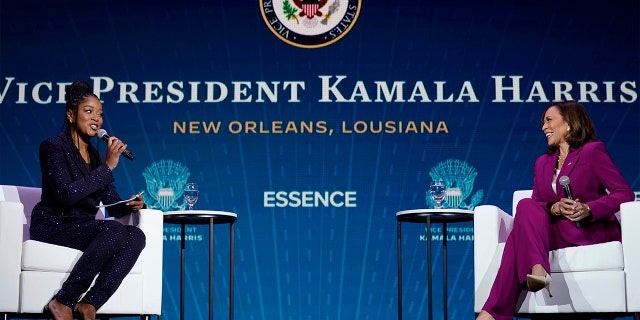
(191, 194)
(438, 191)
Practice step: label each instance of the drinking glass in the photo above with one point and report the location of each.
(191, 194)
(438, 191)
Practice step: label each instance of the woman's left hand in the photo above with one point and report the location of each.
(137, 203)
(578, 212)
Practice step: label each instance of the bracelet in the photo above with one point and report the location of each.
(588, 210)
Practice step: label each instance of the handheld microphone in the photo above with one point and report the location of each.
(566, 186)
(102, 134)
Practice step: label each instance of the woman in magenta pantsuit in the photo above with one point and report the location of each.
(549, 220)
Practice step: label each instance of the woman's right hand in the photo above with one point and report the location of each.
(573, 210)
(114, 149)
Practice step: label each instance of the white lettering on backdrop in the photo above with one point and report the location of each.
(331, 88)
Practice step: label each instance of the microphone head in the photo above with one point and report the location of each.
(564, 181)
(102, 133)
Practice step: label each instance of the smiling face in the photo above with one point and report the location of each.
(554, 127)
(88, 119)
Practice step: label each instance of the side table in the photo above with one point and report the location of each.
(187, 217)
(428, 216)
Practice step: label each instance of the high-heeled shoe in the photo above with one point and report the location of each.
(46, 312)
(57, 314)
(536, 283)
(85, 311)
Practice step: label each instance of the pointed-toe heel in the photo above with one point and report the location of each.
(85, 311)
(46, 311)
(537, 283)
(56, 312)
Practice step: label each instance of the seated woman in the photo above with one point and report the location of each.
(75, 179)
(549, 220)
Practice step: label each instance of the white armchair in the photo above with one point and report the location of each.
(596, 279)
(32, 271)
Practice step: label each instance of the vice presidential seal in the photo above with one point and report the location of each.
(310, 23)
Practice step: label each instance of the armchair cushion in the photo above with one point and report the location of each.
(596, 257)
(41, 256)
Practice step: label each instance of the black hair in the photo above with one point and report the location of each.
(77, 92)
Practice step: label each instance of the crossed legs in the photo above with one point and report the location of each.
(110, 249)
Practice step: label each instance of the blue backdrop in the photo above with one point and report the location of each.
(365, 114)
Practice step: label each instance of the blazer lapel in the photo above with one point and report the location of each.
(548, 170)
(72, 150)
(570, 162)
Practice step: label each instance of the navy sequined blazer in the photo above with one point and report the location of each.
(71, 188)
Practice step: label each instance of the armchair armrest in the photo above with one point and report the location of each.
(11, 223)
(491, 226)
(150, 221)
(630, 223)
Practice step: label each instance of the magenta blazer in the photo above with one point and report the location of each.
(596, 181)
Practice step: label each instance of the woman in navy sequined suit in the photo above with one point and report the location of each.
(75, 179)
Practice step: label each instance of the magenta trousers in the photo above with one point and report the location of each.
(534, 234)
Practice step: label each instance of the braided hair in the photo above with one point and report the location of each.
(77, 92)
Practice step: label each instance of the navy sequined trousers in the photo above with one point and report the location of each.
(110, 249)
